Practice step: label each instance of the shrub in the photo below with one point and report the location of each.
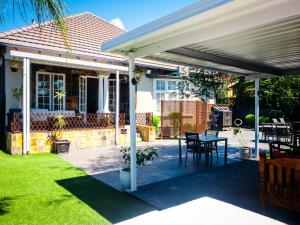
(263, 119)
(188, 127)
(156, 122)
(250, 118)
(174, 121)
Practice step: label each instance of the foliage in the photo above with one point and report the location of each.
(237, 131)
(43, 9)
(49, 190)
(174, 118)
(205, 84)
(250, 120)
(263, 119)
(156, 122)
(279, 97)
(142, 155)
(188, 127)
(59, 121)
(17, 92)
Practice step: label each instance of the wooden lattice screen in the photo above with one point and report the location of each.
(179, 116)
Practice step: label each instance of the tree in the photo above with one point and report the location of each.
(205, 84)
(44, 10)
(279, 97)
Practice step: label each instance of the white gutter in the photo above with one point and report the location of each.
(39, 58)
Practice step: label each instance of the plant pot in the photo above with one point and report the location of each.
(245, 152)
(61, 146)
(125, 179)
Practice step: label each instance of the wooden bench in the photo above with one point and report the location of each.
(279, 182)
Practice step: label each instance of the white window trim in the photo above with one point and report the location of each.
(51, 97)
(166, 91)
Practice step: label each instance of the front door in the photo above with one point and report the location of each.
(92, 95)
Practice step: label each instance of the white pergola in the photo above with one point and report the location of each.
(254, 38)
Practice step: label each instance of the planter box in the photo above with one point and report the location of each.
(61, 146)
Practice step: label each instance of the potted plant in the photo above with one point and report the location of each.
(58, 144)
(245, 151)
(17, 93)
(142, 156)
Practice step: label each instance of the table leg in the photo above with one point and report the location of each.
(206, 154)
(180, 158)
(225, 155)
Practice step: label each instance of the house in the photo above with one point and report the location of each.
(90, 80)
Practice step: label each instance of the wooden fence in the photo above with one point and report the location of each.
(180, 116)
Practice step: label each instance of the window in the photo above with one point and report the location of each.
(43, 91)
(165, 90)
(112, 95)
(172, 85)
(47, 87)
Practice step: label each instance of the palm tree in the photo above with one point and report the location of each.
(44, 10)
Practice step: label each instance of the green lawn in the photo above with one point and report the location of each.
(44, 189)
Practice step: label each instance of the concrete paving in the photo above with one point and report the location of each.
(104, 163)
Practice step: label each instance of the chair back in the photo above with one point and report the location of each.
(280, 182)
(211, 133)
(281, 120)
(275, 120)
(192, 140)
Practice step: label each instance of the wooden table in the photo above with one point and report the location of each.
(206, 140)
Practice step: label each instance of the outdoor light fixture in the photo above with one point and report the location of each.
(138, 75)
(14, 65)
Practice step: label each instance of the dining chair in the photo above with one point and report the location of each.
(211, 147)
(281, 120)
(193, 145)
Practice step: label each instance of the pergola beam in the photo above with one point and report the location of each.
(226, 61)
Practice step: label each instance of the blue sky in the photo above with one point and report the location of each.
(132, 13)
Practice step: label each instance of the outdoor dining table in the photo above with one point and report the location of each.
(206, 140)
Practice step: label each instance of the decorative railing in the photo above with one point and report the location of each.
(47, 121)
(144, 119)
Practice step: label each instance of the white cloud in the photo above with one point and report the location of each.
(118, 22)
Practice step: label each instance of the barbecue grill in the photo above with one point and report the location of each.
(221, 117)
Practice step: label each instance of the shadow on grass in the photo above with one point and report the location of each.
(4, 204)
(115, 206)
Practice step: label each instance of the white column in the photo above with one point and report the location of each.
(133, 176)
(26, 105)
(117, 109)
(100, 95)
(105, 94)
(257, 118)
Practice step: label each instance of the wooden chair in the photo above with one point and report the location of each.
(193, 145)
(211, 147)
(279, 182)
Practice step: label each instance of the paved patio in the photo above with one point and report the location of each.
(104, 163)
(172, 188)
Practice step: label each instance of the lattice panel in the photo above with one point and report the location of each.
(180, 116)
(144, 119)
(48, 121)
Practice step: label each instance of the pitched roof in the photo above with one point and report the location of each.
(86, 34)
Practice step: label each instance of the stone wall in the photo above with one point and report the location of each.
(147, 132)
(80, 139)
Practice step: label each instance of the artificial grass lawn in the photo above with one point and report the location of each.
(45, 189)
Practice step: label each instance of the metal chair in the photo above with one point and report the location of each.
(211, 148)
(193, 145)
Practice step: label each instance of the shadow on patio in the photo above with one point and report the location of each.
(236, 184)
(115, 206)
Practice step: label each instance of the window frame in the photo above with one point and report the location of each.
(51, 89)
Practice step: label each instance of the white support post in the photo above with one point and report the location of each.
(26, 105)
(133, 176)
(105, 94)
(100, 95)
(257, 117)
(117, 109)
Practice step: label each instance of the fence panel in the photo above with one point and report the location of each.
(180, 116)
